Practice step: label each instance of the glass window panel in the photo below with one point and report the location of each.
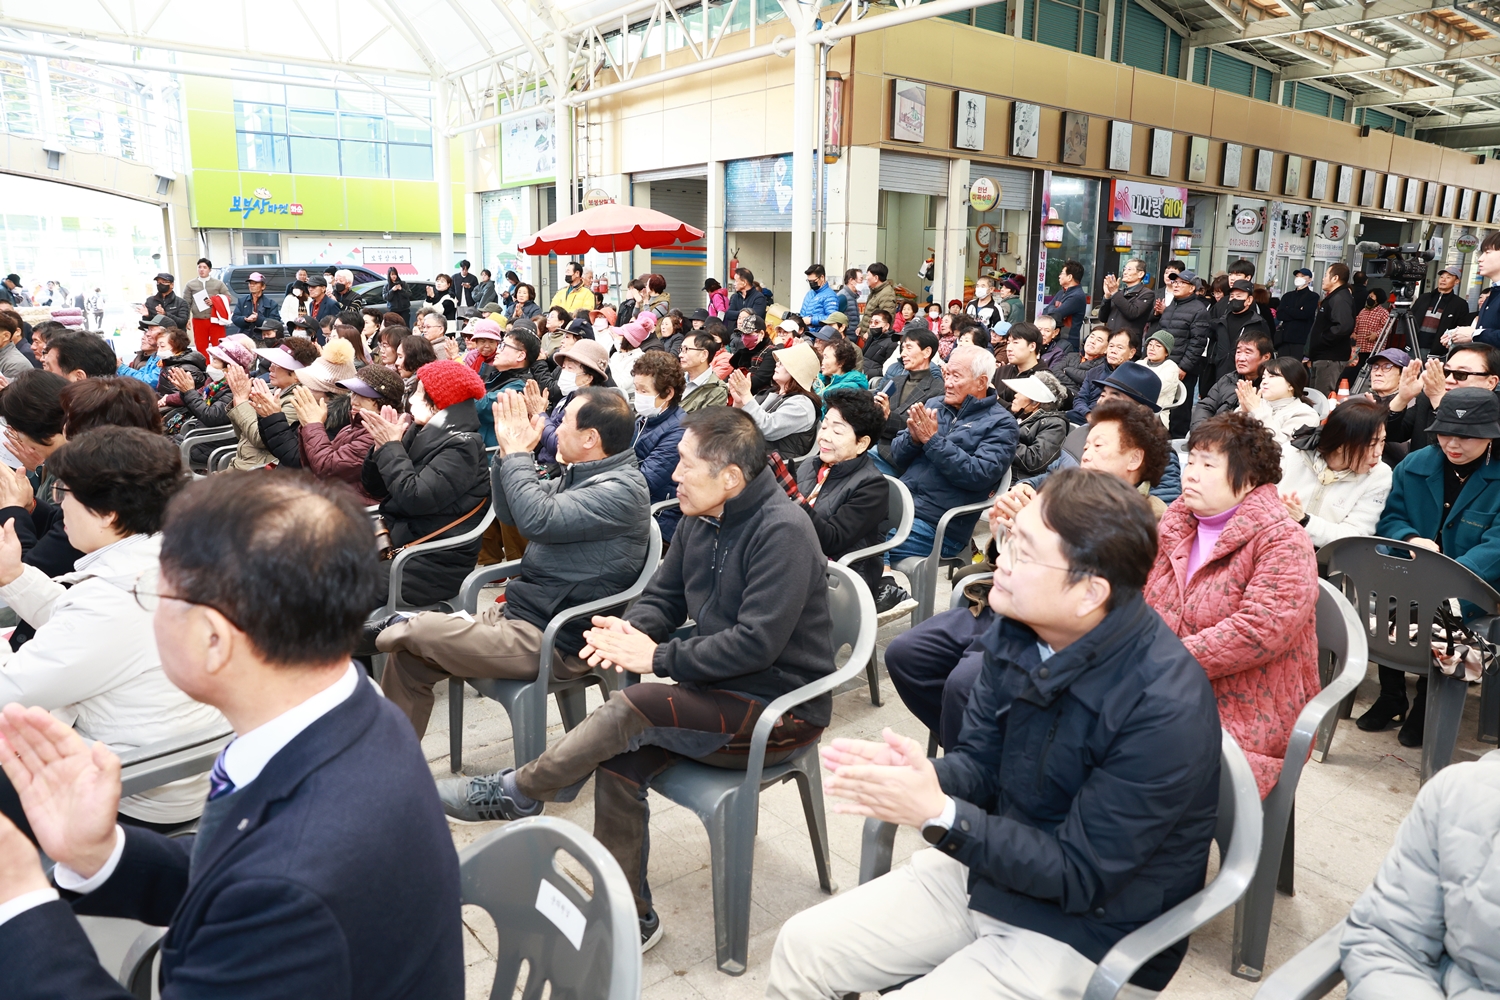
(408, 130)
(259, 93)
(263, 152)
(310, 97)
(411, 163)
(315, 156)
(369, 103)
(312, 123)
(363, 159)
(259, 117)
(361, 127)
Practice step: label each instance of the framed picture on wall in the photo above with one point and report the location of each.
(968, 120)
(1197, 169)
(1482, 204)
(1429, 199)
(1412, 202)
(908, 111)
(1495, 211)
(1075, 139)
(1025, 125)
(1466, 205)
(1392, 189)
(1346, 185)
(1161, 152)
(1319, 181)
(1263, 160)
(1292, 183)
(1367, 189)
(1120, 136)
(1450, 200)
(1233, 153)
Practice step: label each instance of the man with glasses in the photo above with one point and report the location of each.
(1047, 851)
(704, 388)
(1421, 389)
(433, 326)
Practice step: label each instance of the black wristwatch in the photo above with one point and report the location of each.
(1305, 519)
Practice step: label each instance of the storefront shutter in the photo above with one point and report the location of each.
(1145, 39)
(1228, 73)
(1174, 53)
(913, 174)
(1312, 99)
(991, 17)
(684, 265)
(1057, 24)
(1015, 185)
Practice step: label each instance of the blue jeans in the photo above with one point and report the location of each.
(919, 542)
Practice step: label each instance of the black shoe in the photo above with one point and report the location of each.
(372, 629)
(650, 931)
(891, 594)
(1416, 720)
(1386, 709)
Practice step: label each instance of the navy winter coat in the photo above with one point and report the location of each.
(1087, 785)
(656, 449)
(962, 463)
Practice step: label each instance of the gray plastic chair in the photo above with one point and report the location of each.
(922, 571)
(196, 434)
(393, 603)
(728, 802)
(1394, 580)
(1342, 658)
(155, 765)
(526, 701)
(1311, 973)
(219, 458)
(1238, 834)
(586, 947)
(900, 512)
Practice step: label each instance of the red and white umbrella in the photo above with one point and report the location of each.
(609, 229)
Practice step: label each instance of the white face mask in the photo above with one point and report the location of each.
(214, 374)
(567, 381)
(1300, 281)
(646, 405)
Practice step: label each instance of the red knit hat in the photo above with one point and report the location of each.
(448, 382)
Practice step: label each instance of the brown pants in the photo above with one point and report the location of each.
(434, 646)
(636, 735)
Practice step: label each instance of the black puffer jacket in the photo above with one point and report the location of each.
(1042, 434)
(1075, 371)
(1188, 322)
(848, 510)
(755, 581)
(435, 474)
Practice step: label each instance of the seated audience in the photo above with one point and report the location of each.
(1422, 928)
(1251, 353)
(1236, 579)
(510, 368)
(1281, 401)
(916, 382)
(320, 383)
(1123, 347)
(77, 355)
(1385, 381)
(429, 475)
(93, 659)
(412, 354)
(1042, 427)
(1054, 346)
(1332, 479)
(1158, 359)
(145, 364)
(331, 429)
(659, 384)
(1444, 497)
(1076, 366)
(844, 494)
(1033, 880)
(882, 342)
(933, 665)
(13, 363)
(113, 401)
(746, 565)
(1021, 352)
(264, 583)
(175, 351)
(1472, 365)
(839, 369)
(284, 361)
(209, 405)
(704, 388)
(582, 365)
(788, 412)
(587, 537)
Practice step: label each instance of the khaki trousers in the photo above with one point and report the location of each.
(435, 645)
(915, 922)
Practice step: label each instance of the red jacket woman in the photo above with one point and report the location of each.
(1245, 607)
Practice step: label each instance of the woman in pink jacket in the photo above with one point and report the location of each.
(1236, 579)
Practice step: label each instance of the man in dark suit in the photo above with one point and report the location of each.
(322, 866)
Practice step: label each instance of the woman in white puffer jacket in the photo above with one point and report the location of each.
(1333, 481)
(1281, 401)
(93, 661)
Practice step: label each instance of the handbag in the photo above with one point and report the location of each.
(386, 551)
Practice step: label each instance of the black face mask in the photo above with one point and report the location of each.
(811, 283)
(162, 289)
(1241, 305)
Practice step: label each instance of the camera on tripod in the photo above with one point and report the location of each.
(1400, 264)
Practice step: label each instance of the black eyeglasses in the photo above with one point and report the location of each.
(57, 492)
(148, 598)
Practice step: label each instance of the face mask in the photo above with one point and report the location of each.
(750, 340)
(812, 284)
(1240, 305)
(162, 289)
(214, 374)
(567, 381)
(644, 405)
(1300, 281)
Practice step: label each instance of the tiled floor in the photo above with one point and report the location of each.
(1348, 810)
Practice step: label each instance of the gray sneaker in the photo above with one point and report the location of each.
(482, 800)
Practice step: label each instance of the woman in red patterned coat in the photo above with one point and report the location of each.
(1236, 579)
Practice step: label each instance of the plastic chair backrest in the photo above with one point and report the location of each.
(585, 946)
(152, 766)
(398, 564)
(1318, 401)
(900, 512)
(1397, 585)
(1239, 836)
(1179, 396)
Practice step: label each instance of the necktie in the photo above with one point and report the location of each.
(219, 783)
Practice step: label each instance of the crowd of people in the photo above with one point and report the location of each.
(1145, 594)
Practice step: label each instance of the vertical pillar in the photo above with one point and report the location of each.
(953, 217)
(563, 129)
(804, 142)
(442, 171)
(714, 229)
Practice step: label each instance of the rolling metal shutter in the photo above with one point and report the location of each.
(1174, 53)
(913, 174)
(1340, 109)
(1200, 67)
(1229, 73)
(1262, 84)
(684, 265)
(1144, 42)
(1057, 24)
(991, 17)
(1312, 99)
(1015, 185)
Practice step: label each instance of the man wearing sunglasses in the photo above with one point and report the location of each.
(1468, 366)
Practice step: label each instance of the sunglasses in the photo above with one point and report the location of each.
(1458, 374)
